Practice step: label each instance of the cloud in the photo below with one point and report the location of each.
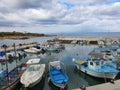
(75, 14)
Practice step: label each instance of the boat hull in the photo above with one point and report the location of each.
(58, 78)
(30, 81)
(31, 51)
(12, 86)
(57, 85)
(16, 80)
(97, 74)
(60, 86)
(35, 83)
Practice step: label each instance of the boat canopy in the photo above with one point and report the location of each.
(81, 62)
(37, 47)
(33, 61)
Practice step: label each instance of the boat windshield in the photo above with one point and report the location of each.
(33, 68)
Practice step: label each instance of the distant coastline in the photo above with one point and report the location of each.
(90, 34)
(20, 35)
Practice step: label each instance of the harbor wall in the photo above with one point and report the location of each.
(88, 40)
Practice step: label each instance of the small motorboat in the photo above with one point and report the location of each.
(97, 68)
(34, 49)
(9, 80)
(33, 73)
(56, 75)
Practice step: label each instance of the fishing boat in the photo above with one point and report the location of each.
(11, 56)
(97, 68)
(56, 75)
(34, 49)
(107, 52)
(33, 73)
(51, 49)
(59, 45)
(10, 78)
(19, 55)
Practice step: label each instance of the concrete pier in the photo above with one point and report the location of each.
(21, 46)
(104, 86)
(89, 40)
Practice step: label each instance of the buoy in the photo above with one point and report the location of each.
(73, 59)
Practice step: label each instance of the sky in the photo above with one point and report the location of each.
(60, 16)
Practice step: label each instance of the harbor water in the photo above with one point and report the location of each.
(76, 78)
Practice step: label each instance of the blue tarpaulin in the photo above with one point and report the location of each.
(38, 47)
(2, 53)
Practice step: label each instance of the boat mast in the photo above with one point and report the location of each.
(15, 56)
(5, 46)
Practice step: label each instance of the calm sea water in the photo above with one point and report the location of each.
(76, 78)
(91, 34)
(37, 39)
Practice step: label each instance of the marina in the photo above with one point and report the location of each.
(76, 80)
(59, 45)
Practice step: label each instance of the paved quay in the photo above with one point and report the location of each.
(22, 46)
(104, 86)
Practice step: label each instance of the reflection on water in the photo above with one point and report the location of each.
(76, 78)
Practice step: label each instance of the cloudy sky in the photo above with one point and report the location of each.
(57, 16)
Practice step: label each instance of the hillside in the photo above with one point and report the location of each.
(20, 35)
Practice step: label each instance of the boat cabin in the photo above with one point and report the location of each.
(94, 65)
(33, 68)
(33, 61)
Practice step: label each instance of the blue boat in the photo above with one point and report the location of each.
(8, 81)
(97, 68)
(56, 75)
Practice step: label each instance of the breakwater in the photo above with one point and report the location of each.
(88, 40)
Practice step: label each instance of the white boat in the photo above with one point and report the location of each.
(33, 49)
(33, 73)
